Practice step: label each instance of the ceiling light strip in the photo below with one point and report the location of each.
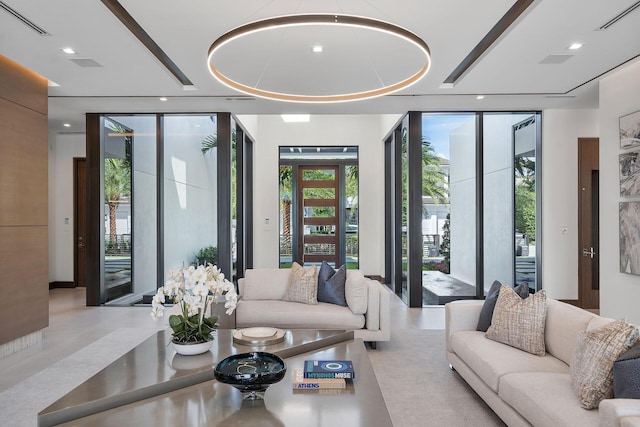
(620, 16)
(11, 11)
(500, 28)
(319, 19)
(127, 20)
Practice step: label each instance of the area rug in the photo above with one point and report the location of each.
(418, 386)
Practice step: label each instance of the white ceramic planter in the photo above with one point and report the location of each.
(191, 349)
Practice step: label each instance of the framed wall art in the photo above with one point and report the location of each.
(630, 173)
(630, 130)
(630, 237)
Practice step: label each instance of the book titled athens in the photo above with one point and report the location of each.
(302, 383)
(329, 369)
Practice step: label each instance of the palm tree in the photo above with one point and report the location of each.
(117, 185)
(285, 191)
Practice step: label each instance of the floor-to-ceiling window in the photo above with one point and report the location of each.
(464, 204)
(173, 190)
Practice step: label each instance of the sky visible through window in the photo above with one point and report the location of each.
(437, 127)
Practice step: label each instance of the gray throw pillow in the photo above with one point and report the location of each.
(490, 303)
(331, 284)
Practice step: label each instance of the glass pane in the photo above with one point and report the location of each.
(286, 198)
(351, 216)
(404, 180)
(319, 249)
(318, 175)
(319, 212)
(130, 205)
(234, 198)
(525, 201)
(118, 224)
(448, 206)
(498, 239)
(319, 193)
(190, 190)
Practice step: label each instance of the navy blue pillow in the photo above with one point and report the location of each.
(331, 284)
(490, 303)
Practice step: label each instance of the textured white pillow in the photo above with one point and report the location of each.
(303, 285)
(519, 322)
(356, 292)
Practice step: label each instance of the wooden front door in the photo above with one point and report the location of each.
(588, 223)
(318, 214)
(80, 222)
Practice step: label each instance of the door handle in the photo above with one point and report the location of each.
(80, 243)
(588, 252)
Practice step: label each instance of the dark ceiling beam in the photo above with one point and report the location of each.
(501, 26)
(121, 13)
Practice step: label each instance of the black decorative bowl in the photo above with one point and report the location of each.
(251, 373)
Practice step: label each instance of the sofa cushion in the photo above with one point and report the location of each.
(563, 324)
(265, 283)
(303, 285)
(545, 399)
(490, 303)
(356, 292)
(490, 360)
(331, 284)
(592, 363)
(519, 322)
(289, 315)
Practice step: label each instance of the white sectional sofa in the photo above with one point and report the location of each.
(261, 304)
(524, 389)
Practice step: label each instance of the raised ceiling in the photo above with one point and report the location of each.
(529, 66)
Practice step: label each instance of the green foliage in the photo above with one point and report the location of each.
(525, 211)
(445, 246)
(208, 254)
(187, 329)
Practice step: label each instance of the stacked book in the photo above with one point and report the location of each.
(323, 375)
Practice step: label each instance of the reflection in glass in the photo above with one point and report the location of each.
(117, 159)
(525, 201)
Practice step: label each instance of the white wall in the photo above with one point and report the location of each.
(62, 149)
(560, 132)
(619, 96)
(462, 194)
(364, 131)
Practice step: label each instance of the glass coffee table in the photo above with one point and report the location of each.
(151, 385)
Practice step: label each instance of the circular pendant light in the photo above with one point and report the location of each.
(224, 57)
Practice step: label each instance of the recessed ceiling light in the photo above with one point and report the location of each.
(317, 49)
(480, 97)
(68, 51)
(67, 125)
(295, 118)
(575, 46)
(163, 98)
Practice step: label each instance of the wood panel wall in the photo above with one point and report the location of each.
(24, 259)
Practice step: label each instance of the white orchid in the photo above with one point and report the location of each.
(194, 289)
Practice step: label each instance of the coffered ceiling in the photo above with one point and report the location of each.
(528, 66)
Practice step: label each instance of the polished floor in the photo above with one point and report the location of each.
(73, 326)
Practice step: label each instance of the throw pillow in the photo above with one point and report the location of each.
(519, 322)
(626, 374)
(591, 367)
(356, 292)
(303, 285)
(331, 284)
(490, 303)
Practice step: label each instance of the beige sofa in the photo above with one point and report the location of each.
(261, 304)
(523, 389)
